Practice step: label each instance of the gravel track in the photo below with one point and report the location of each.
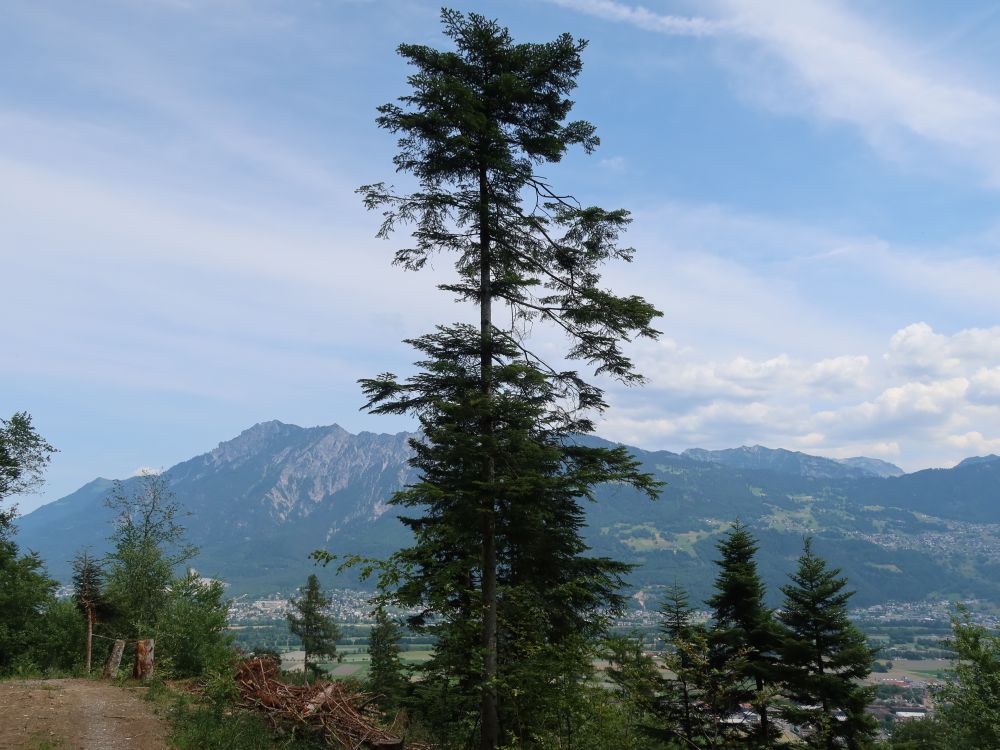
(74, 714)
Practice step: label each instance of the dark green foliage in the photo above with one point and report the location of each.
(58, 638)
(743, 627)
(24, 454)
(968, 706)
(317, 630)
(25, 593)
(192, 633)
(638, 683)
(824, 656)
(148, 545)
(925, 734)
(679, 708)
(497, 566)
(715, 686)
(970, 711)
(37, 632)
(386, 678)
(553, 599)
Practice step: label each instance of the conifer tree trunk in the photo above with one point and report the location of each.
(489, 730)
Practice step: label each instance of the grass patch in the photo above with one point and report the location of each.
(884, 566)
(195, 724)
(38, 741)
(646, 538)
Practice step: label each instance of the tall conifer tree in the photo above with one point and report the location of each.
(743, 625)
(498, 537)
(824, 657)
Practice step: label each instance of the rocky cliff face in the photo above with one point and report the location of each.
(286, 473)
(257, 504)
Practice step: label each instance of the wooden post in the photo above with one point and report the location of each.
(143, 660)
(114, 660)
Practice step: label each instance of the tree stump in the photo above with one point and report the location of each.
(114, 660)
(143, 660)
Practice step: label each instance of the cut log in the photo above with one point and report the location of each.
(114, 660)
(320, 698)
(143, 660)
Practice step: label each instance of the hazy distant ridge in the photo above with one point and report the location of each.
(259, 503)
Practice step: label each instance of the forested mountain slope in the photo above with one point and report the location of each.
(259, 503)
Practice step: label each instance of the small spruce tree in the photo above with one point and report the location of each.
(317, 630)
(824, 658)
(385, 671)
(743, 625)
(678, 704)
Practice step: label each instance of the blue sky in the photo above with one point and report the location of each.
(814, 187)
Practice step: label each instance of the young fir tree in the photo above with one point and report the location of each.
(743, 625)
(678, 706)
(637, 685)
(496, 452)
(88, 595)
(824, 658)
(385, 670)
(317, 630)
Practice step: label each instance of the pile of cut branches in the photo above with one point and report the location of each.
(344, 718)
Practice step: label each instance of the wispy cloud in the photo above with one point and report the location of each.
(821, 59)
(642, 17)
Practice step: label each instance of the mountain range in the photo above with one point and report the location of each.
(258, 504)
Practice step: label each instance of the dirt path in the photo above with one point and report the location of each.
(77, 715)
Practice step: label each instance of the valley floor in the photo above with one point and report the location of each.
(77, 714)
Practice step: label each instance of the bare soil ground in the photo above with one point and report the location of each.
(77, 715)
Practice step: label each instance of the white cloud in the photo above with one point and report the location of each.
(641, 16)
(822, 60)
(973, 443)
(902, 402)
(984, 386)
(918, 351)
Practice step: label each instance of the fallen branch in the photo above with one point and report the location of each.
(346, 719)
